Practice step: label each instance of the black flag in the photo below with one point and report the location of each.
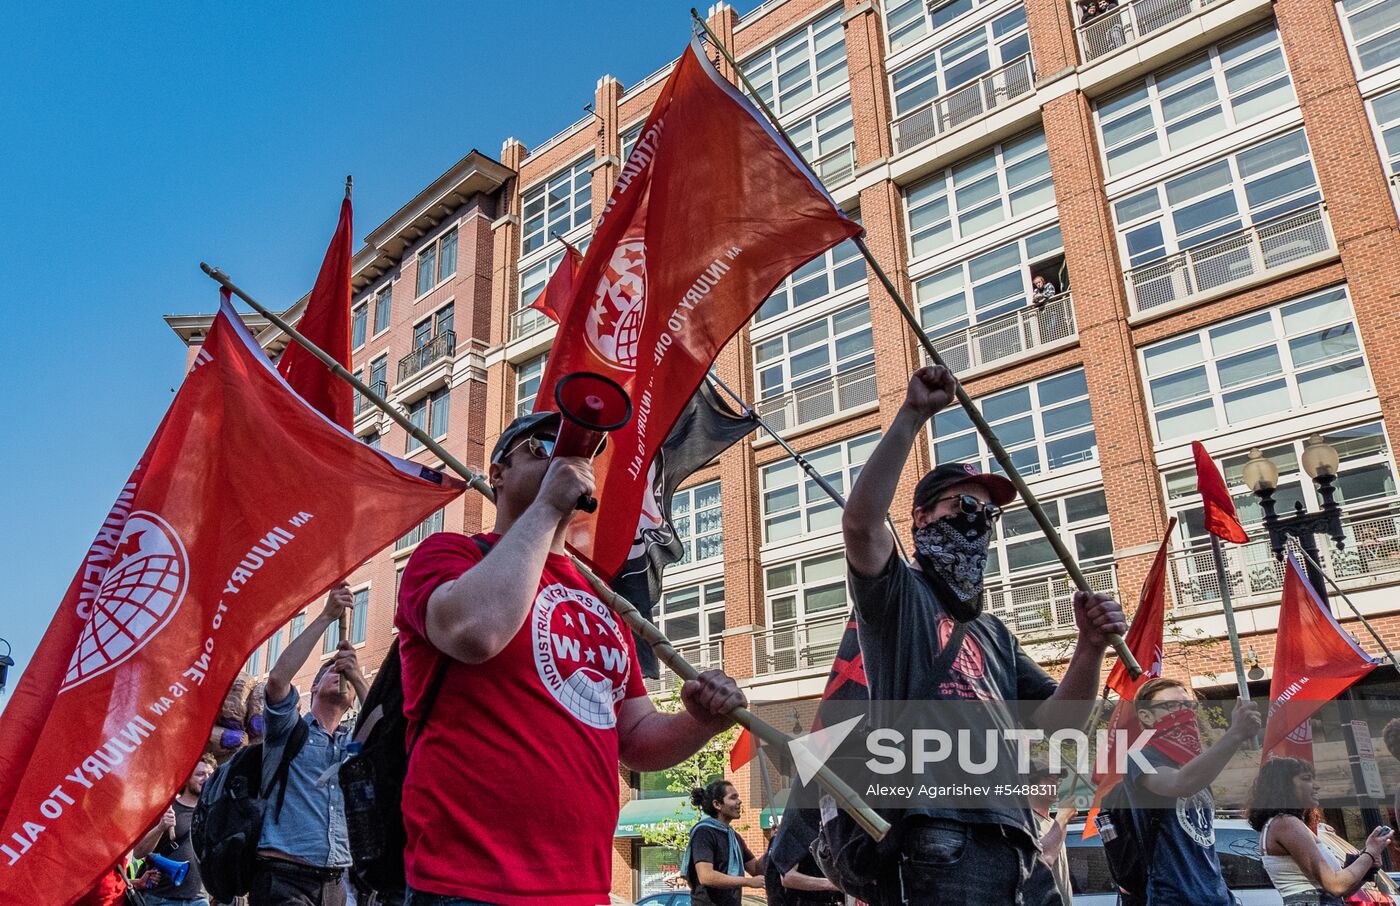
(705, 429)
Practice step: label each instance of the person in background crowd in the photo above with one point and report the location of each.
(1176, 800)
(305, 848)
(906, 615)
(541, 686)
(1391, 735)
(802, 885)
(1284, 810)
(716, 857)
(1042, 290)
(171, 838)
(1049, 883)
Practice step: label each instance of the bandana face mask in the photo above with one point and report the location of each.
(1177, 735)
(952, 552)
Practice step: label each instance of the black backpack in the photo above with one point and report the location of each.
(1128, 842)
(227, 821)
(371, 779)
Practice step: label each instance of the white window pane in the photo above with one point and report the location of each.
(1315, 311)
(1263, 400)
(1332, 381)
(1191, 420)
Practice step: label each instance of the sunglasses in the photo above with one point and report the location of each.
(971, 505)
(538, 447)
(1171, 707)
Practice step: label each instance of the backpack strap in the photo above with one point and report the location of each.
(295, 742)
(440, 671)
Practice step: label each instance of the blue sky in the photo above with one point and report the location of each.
(142, 140)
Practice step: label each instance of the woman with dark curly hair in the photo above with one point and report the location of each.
(1284, 810)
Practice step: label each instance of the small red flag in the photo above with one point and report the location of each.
(326, 322)
(553, 301)
(1145, 642)
(743, 751)
(710, 213)
(246, 504)
(1221, 519)
(1315, 661)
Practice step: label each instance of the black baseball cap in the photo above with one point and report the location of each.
(1000, 489)
(522, 427)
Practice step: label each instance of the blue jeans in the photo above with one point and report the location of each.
(942, 861)
(418, 898)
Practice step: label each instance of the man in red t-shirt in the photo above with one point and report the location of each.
(511, 793)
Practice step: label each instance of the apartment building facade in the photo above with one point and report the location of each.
(1209, 185)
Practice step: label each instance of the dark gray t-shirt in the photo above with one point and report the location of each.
(1183, 866)
(182, 850)
(902, 627)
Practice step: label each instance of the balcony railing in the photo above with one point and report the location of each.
(836, 166)
(439, 347)
(704, 655)
(379, 389)
(1008, 335)
(964, 104)
(1372, 550)
(1131, 22)
(527, 321)
(820, 399)
(1043, 604)
(809, 645)
(1236, 256)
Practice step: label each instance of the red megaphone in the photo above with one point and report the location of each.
(591, 406)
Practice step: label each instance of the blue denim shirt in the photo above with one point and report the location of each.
(312, 823)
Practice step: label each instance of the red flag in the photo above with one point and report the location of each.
(554, 300)
(743, 750)
(1221, 519)
(1145, 642)
(710, 213)
(326, 322)
(1315, 661)
(246, 505)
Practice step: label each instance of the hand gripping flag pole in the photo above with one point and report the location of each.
(846, 797)
(993, 443)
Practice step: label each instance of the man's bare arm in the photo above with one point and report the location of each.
(294, 656)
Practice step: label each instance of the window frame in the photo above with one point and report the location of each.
(809, 499)
(1026, 264)
(761, 67)
(532, 369)
(383, 302)
(1002, 50)
(1354, 49)
(690, 540)
(836, 364)
(576, 213)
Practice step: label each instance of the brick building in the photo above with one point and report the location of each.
(1209, 184)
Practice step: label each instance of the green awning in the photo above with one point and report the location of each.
(770, 816)
(640, 813)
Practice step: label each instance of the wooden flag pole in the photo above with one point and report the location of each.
(1223, 579)
(993, 443)
(848, 798)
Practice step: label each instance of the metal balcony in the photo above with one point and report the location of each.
(1129, 23)
(703, 655)
(1234, 257)
(964, 104)
(820, 399)
(1009, 335)
(836, 166)
(441, 346)
(808, 645)
(379, 389)
(1044, 604)
(527, 321)
(1372, 551)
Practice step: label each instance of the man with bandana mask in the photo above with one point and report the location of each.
(906, 613)
(1174, 806)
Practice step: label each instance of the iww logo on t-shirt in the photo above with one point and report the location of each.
(580, 653)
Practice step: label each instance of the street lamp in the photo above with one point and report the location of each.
(1320, 461)
(6, 662)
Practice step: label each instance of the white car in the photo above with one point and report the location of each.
(1236, 843)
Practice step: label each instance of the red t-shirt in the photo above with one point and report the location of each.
(511, 793)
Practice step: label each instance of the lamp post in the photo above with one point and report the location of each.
(1320, 462)
(6, 662)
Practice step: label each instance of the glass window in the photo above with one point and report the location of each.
(430, 413)
(527, 384)
(802, 66)
(1385, 114)
(629, 139)
(794, 505)
(1232, 83)
(274, 648)
(561, 203)
(298, 625)
(383, 305)
(359, 624)
(960, 60)
(1019, 546)
(694, 615)
(837, 269)
(814, 351)
(420, 531)
(1257, 367)
(1044, 425)
(906, 21)
(1372, 28)
(696, 514)
(983, 287)
(1011, 180)
(810, 588)
(254, 665)
(359, 320)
